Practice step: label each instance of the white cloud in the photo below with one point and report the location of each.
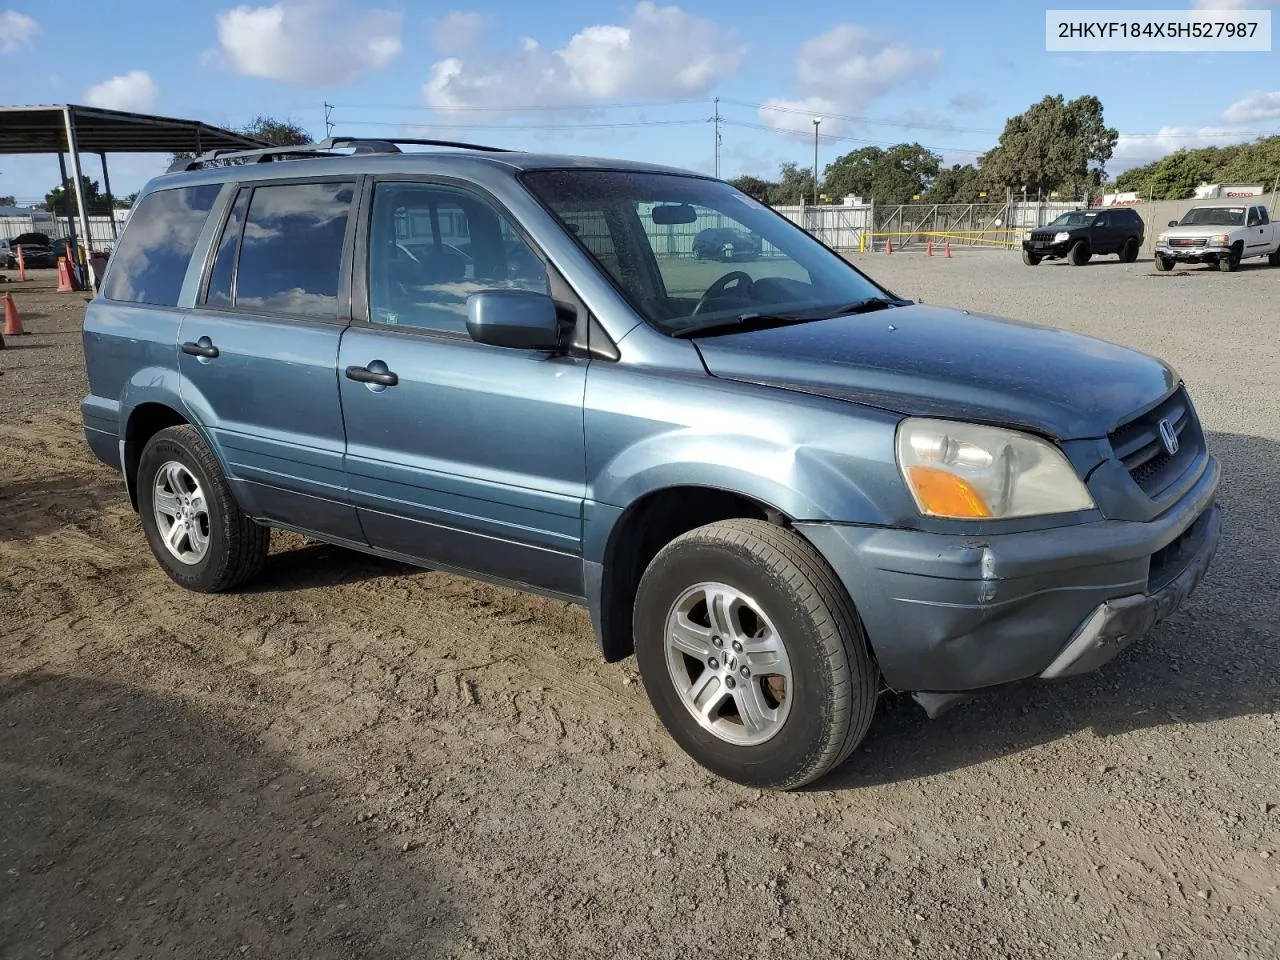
(16, 30)
(307, 42)
(1137, 150)
(657, 52)
(841, 72)
(1229, 4)
(134, 91)
(457, 30)
(1253, 107)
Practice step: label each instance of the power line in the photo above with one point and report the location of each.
(525, 126)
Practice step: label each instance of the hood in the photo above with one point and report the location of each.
(1199, 230)
(933, 361)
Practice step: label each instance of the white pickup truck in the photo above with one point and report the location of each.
(1221, 233)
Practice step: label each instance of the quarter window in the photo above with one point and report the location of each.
(432, 247)
(150, 262)
(291, 252)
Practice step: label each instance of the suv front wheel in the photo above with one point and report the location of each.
(753, 655)
(196, 530)
(1079, 254)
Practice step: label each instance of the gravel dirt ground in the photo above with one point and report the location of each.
(359, 759)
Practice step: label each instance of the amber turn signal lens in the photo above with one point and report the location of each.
(944, 494)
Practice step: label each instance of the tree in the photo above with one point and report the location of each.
(125, 202)
(753, 187)
(8, 201)
(794, 185)
(1176, 176)
(957, 184)
(63, 202)
(274, 132)
(895, 175)
(1055, 145)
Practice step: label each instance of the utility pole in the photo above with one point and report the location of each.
(817, 121)
(717, 120)
(328, 124)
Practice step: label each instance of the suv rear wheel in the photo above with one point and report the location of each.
(1130, 252)
(1079, 254)
(196, 530)
(752, 654)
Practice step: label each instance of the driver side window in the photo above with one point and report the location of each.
(1254, 219)
(431, 247)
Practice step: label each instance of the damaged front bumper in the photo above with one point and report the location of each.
(948, 614)
(1193, 254)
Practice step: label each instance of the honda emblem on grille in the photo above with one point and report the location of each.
(1169, 436)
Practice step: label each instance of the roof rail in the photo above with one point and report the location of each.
(361, 145)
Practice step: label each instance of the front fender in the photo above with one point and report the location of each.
(811, 458)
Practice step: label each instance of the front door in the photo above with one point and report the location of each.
(459, 454)
(259, 352)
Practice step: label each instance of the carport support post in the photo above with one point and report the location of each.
(73, 147)
(111, 203)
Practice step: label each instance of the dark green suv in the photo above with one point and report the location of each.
(1083, 234)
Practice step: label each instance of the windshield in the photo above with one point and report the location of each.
(1213, 217)
(1073, 220)
(687, 251)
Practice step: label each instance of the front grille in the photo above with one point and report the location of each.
(1187, 242)
(1042, 238)
(1139, 445)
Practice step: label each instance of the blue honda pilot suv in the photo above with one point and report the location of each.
(785, 488)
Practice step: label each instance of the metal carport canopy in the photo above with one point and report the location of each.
(73, 129)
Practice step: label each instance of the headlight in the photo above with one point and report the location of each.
(1224, 239)
(1027, 235)
(1162, 240)
(968, 471)
(1059, 237)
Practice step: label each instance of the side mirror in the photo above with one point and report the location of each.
(521, 319)
(1173, 223)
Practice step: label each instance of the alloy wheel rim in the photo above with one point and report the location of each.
(182, 513)
(728, 663)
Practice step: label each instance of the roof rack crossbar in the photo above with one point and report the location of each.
(361, 145)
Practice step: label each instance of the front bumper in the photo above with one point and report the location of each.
(952, 613)
(1193, 254)
(1047, 250)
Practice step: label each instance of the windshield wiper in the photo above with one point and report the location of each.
(747, 321)
(760, 321)
(868, 305)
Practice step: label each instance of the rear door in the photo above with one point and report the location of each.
(473, 457)
(259, 352)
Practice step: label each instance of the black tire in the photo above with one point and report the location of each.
(835, 680)
(1165, 264)
(1229, 263)
(1130, 252)
(1029, 258)
(237, 547)
(1079, 254)
(1273, 258)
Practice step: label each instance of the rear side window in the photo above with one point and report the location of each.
(150, 262)
(291, 251)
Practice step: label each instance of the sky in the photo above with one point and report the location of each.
(631, 80)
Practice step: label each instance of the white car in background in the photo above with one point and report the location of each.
(1221, 233)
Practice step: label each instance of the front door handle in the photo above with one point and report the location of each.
(365, 375)
(206, 349)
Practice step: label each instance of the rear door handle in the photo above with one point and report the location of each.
(207, 350)
(365, 375)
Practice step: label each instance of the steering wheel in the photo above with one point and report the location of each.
(737, 280)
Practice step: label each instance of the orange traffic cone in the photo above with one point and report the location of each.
(12, 321)
(928, 248)
(888, 246)
(65, 284)
(948, 250)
